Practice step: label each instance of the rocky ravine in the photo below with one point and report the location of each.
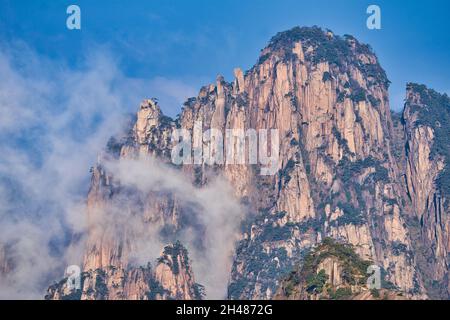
(347, 171)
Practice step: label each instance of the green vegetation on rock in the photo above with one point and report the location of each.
(309, 279)
(328, 47)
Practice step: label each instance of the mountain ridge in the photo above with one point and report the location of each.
(341, 175)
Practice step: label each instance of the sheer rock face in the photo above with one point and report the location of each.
(339, 174)
(171, 279)
(425, 118)
(174, 274)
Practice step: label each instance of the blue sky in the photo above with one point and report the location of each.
(190, 42)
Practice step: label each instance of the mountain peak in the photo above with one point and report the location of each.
(322, 45)
(426, 94)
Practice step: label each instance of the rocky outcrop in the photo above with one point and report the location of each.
(171, 278)
(332, 271)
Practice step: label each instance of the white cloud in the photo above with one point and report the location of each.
(171, 93)
(216, 208)
(54, 120)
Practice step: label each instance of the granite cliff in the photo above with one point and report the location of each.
(347, 170)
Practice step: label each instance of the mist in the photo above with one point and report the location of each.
(54, 122)
(216, 208)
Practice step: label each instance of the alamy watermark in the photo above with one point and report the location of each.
(238, 147)
(73, 274)
(374, 20)
(73, 21)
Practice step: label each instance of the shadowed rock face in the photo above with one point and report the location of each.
(343, 173)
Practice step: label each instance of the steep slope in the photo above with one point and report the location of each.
(339, 172)
(427, 127)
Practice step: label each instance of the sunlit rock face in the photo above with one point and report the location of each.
(338, 178)
(342, 173)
